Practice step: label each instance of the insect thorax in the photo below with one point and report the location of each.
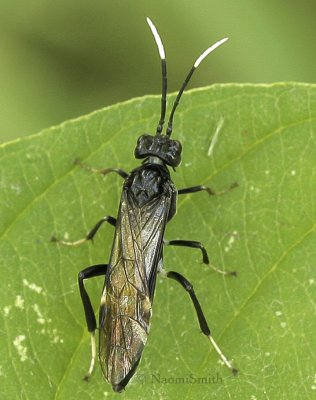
(147, 182)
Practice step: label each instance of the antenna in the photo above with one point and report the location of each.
(187, 79)
(162, 55)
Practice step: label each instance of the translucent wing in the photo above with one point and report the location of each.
(126, 301)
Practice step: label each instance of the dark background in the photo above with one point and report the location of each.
(62, 59)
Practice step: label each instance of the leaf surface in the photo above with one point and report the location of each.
(264, 320)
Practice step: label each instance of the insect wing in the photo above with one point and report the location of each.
(126, 300)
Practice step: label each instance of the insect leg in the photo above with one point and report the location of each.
(90, 235)
(87, 273)
(198, 245)
(202, 320)
(210, 191)
(102, 171)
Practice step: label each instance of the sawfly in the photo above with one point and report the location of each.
(148, 202)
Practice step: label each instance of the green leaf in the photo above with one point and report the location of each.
(264, 320)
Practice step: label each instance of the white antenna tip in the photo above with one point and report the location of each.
(157, 39)
(208, 51)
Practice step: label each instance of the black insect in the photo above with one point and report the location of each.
(147, 203)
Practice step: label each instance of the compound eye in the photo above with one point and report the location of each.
(175, 146)
(144, 143)
(174, 152)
